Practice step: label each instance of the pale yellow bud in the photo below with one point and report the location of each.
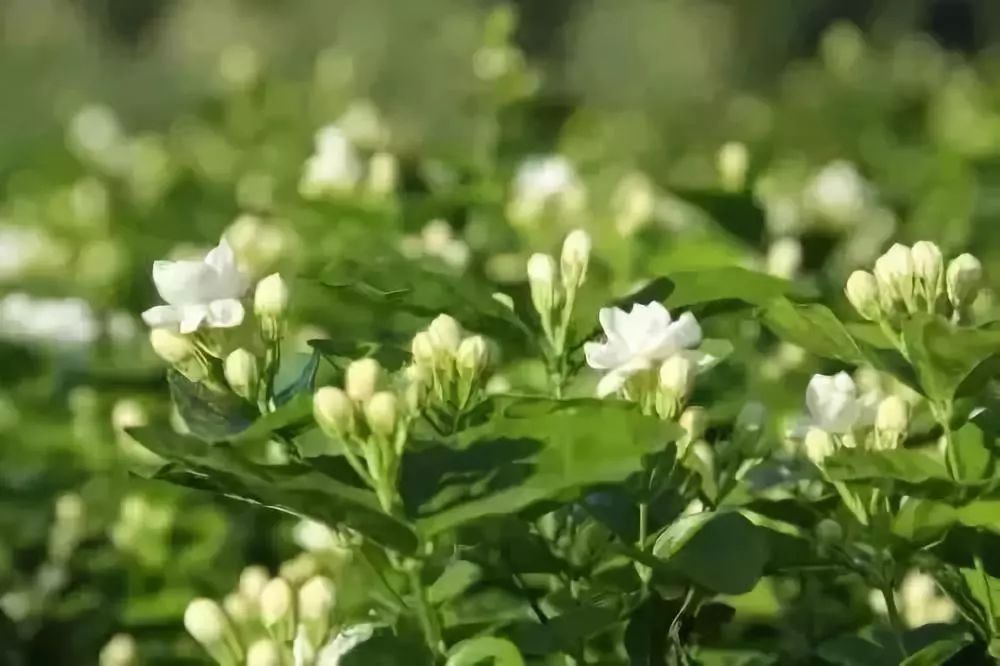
(242, 374)
(862, 292)
(575, 259)
(818, 445)
(171, 346)
(422, 349)
(677, 376)
(964, 280)
(265, 652)
(333, 411)
(894, 273)
(381, 412)
(362, 378)
(119, 651)
(892, 415)
(928, 267)
(732, 161)
(445, 334)
(317, 598)
(239, 609)
(206, 622)
(252, 582)
(271, 297)
(542, 280)
(277, 608)
(694, 421)
(473, 355)
(383, 173)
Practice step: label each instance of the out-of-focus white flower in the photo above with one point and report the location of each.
(67, 321)
(119, 651)
(638, 339)
(95, 134)
(545, 183)
(834, 405)
(838, 193)
(334, 168)
(923, 603)
(437, 240)
(784, 257)
(19, 247)
(199, 293)
(362, 125)
(314, 536)
(633, 202)
(732, 161)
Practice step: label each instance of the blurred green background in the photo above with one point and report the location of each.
(792, 136)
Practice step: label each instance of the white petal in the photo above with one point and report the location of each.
(222, 258)
(614, 321)
(183, 282)
(225, 313)
(686, 331)
(192, 317)
(162, 316)
(605, 356)
(843, 382)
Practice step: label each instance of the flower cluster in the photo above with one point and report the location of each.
(914, 279)
(449, 367)
(554, 288)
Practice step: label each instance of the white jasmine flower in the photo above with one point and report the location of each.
(19, 247)
(199, 293)
(834, 405)
(838, 192)
(333, 168)
(637, 340)
(541, 182)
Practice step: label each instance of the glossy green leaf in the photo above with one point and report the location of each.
(529, 450)
(973, 460)
(562, 633)
(728, 283)
(906, 465)
(210, 415)
(938, 652)
(386, 648)
(919, 520)
(453, 581)
(723, 551)
(293, 489)
(944, 355)
(813, 327)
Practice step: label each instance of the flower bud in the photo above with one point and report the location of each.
(473, 355)
(892, 420)
(361, 379)
(252, 582)
(240, 369)
(862, 292)
(317, 598)
(445, 334)
(265, 652)
(694, 421)
(239, 609)
(732, 162)
(818, 445)
(894, 273)
(277, 609)
(829, 531)
(208, 624)
(119, 651)
(383, 172)
(541, 279)
(928, 267)
(171, 346)
(964, 280)
(333, 411)
(575, 259)
(677, 376)
(422, 349)
(381, 412)
(271, 298)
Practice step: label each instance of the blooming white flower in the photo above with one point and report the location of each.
(333, 168)
(838, 192)
(638, 339)
(834, 405)
(544, 181)
(59, 321)
(199, 293)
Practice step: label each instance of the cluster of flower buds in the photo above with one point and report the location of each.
(449, 367)
(372, 423)
(337, 168)
(554, 288)
(914, 279)
(266, 621)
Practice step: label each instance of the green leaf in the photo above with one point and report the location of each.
(485, 650)
(210, 415)
(944, 355)
(723, 284)
(562, 633)
(646, 633)
(456, 579)
(906, 465)
(938, 652)
(973, 460)
(813, 327)
(293, 489)
(721, 551)
(529, 450)
(983, 513)
(287, 420)
(385, 648)
(921, 520)
(340, 352)
(877, 646)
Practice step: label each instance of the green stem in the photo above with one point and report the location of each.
(990, 606)
(643, 524)
(894, 619)
(425, 613)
